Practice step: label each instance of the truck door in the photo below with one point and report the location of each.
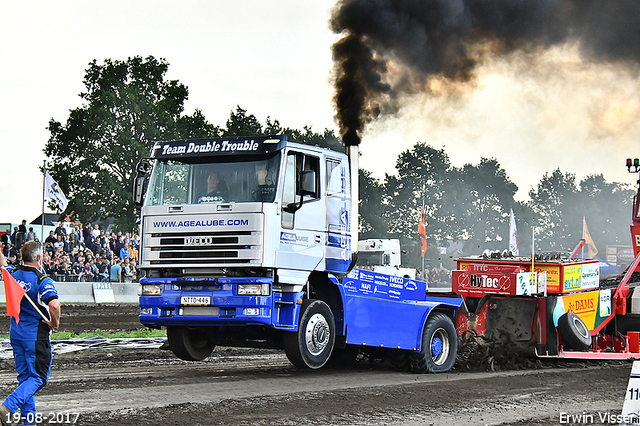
(301, 236)
(337, 248)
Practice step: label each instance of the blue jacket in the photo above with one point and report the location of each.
(41, 289)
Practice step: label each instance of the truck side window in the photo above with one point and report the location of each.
(334, 177)
(313, 164)
(289, 190)
(297, 162)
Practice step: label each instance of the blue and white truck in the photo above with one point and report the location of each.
(267, 259)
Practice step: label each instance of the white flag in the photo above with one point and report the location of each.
(513, 236)
(52, 190)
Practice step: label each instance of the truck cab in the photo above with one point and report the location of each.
(247, 241)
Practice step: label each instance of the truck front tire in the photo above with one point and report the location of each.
(439, 346)
(311, 346)
(190, 343)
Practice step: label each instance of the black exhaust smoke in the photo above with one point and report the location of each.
(393, 48)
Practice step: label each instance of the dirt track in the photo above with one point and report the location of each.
(260, 387)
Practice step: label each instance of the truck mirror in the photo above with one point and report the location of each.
(307, 182)
(307, 185)
(138, 190)
(138, 184)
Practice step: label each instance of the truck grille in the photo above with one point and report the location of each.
(240, 248)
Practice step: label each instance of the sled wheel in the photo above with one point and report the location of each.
(311, 346)
(439, 346)
(399, 361)
(574, 331)
(190, 343)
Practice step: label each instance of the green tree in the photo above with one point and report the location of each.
(486, 196)
(554, 204)
(423, 175)
(606, 207)
(127, 106)
(372, 206)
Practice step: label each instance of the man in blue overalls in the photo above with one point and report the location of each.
(30, 337)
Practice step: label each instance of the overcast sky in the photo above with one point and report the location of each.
(273, 58)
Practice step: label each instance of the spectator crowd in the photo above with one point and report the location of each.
(79, 253)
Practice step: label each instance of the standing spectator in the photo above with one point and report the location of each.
(74, 238)
(115, 273)
(119, 243)
(87, 235)
(60, 231)
(21, 236)
(127, 271)
(30, 336)
(124, 251)
(51, 239)
(13, 235)
(31, 236)
(112, 242)
(133, 252)
(133, 265)
(96, 231)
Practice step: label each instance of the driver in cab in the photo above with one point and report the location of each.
(216, 191)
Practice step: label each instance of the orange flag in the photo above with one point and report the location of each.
(423, 233)
(14, 294)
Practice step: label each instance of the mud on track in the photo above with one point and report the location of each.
(260, 387)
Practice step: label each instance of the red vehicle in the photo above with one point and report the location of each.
(552, 306)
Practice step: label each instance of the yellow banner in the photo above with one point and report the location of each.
(585, 305)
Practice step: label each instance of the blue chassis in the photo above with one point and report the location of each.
(379, 310)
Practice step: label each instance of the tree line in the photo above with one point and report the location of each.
(128, 105)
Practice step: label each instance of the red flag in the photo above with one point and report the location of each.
(14, 294)
(423, 233)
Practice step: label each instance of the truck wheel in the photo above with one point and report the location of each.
(575, 331)
(311, 346)
(439, 346)
(190, 343)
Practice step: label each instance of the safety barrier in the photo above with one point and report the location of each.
(92, 292)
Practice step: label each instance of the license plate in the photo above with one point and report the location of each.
(195, 300)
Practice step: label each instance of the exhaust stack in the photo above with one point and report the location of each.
(353, 153)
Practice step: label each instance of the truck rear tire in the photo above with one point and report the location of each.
(574, 331)
(311, 346)
(190, 343)
(439, 346)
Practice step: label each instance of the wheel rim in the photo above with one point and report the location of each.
(198, 339)
(440, 346)
(581, 328)
(317, 334)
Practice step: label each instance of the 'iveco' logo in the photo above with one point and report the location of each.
(198, 241)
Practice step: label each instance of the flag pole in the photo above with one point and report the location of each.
(424, 278)
(36, 308)
(44, 185)
(584, 222)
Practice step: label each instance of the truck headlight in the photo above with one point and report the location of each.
(149, 290)
(253, 289)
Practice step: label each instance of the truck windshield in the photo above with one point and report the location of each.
(174, 182)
